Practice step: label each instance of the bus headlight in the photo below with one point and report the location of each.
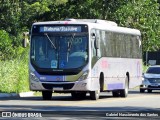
(33, 77)
(84, 75)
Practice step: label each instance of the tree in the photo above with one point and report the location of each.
(83, 9)
(143, 15)
(36, 10)
(16, 17)
(6, 50)
(9, 16)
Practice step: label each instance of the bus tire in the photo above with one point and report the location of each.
(74, 95)
(94, 95)
(101, 82)
(47, 95)
(115, 93)
(124, 92)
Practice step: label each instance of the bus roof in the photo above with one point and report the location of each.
(94, 23)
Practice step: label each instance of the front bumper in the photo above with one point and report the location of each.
(150, 84)
(59, 86)
(150, 87)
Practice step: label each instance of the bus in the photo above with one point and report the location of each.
(84, 56)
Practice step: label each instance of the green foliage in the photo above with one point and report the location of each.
(82, 9)
(6, 51)
(34, 11)
(9, 16)
(14, 74)
(144, 69)
(10, 46)
(143, 15)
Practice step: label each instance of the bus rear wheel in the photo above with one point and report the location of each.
(124, 92)
(116, 93)
(94, 94)
(47, 95)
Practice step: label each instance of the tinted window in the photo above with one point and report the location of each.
(119, 45)
(153, 70)
(63, 51)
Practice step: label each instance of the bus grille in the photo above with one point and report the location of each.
(51, 86)
(154, 80)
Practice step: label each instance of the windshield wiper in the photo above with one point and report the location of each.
(70, 45)
(50, 41)
(70, 42)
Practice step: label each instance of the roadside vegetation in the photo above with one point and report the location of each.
(14, 74)
(145, 67)
(16, 17)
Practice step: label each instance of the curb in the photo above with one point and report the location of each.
(23, 94)
(26, 94)
(2, 95)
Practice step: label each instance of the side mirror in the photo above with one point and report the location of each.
(93, 35)
(96, 44)
(96, 41)
(25, 39)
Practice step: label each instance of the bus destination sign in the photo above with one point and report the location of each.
(60, 29)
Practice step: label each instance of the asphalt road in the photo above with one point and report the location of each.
(62, 106)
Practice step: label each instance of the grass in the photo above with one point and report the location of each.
(14, 75)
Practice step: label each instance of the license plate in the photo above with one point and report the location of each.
(58, 88)
(154, 85)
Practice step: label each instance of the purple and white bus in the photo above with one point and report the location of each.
(84, 56)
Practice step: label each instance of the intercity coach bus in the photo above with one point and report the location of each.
(81, 56)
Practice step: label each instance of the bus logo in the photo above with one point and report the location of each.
(58, 79)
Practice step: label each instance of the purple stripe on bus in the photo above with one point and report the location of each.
(115, 86)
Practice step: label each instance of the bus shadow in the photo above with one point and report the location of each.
(63, 97)
(76, 108)
(68, 97)
(138, 92)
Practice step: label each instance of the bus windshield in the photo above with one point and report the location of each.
(59, 51)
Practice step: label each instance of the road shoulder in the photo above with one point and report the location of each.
(23, 94)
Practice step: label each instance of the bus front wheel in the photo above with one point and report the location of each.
(47, 95)
(94, 95)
